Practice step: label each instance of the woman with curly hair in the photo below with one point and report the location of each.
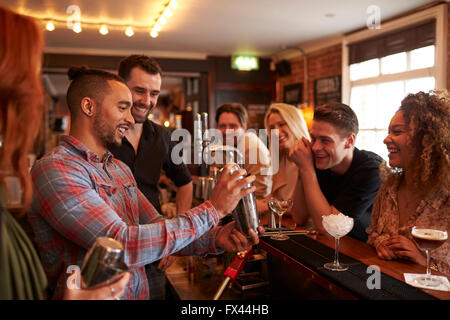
(416, 187)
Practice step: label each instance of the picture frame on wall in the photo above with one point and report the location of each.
(327, 90)
(292, 93)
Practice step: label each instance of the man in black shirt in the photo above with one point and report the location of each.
(335, 176)
(147, 149)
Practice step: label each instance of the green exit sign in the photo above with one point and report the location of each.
(246, 63)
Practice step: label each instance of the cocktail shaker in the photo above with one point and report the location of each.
(103, 261)
(246, 213)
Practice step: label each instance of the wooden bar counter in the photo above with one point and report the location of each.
(291, 277)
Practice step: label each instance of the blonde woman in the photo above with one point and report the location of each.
(289, 121)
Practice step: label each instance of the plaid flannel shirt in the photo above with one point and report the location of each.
(78, 198)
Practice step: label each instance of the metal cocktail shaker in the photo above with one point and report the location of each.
(246, 213)
(103, 261)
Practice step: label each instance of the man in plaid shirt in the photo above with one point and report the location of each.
(81, 192)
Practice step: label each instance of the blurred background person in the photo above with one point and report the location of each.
(22, 107)
(231, 119)
(415, 188)
(289, 121)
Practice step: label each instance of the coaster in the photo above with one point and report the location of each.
(411, 278)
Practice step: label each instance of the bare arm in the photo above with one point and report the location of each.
(299, 210)
(316, 204)
(184, 198)
(312, 198)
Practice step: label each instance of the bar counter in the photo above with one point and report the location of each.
(296, 270)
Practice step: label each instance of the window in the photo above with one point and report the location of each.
(376, 101)
(380, 68)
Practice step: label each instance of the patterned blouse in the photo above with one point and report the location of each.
(433, 210)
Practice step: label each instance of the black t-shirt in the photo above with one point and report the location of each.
(153, 155)
(353, 193)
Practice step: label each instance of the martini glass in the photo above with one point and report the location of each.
(280, 207)
(337, 226)
(427, 239)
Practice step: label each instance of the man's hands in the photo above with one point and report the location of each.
(400, 247)
(301, 154)
(230, 239)
(113, 290)
(229, 190)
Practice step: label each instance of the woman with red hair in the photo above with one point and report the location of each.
(21, 111)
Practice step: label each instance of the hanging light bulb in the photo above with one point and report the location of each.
(167, 12)
(129, 32)
(157, 27)
(173, 4)
(103, 29)
(50, 26)
(77, 28)
(162, 21)
(154, 33)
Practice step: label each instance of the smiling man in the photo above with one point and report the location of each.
(231, 118)
(334, 175)
(147, 149)
(81, 192)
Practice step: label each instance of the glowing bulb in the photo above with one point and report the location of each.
(77, 28)
(166, 123)
(154, 34)
(129, 32)
(103, 30)
(167, 13)
(173, 4)
(162, 21)
(50, 26)
(157, 27)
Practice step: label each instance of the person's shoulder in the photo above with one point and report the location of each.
(367, 159)
(157, 130)
(58, 155)
(59, 162)
(154, 126)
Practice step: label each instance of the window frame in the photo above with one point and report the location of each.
(438, 71)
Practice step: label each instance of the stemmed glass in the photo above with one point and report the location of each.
(280, 207)
(427, 239)
(337, 226)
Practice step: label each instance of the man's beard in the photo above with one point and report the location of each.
(138, 118)
(104, 132)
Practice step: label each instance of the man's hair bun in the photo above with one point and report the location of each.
(76, 72)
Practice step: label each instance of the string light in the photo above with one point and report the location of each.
(129, 32)
(103, 30)
(50, 26)
(162, 17)
(77, 27)
(154, 34)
